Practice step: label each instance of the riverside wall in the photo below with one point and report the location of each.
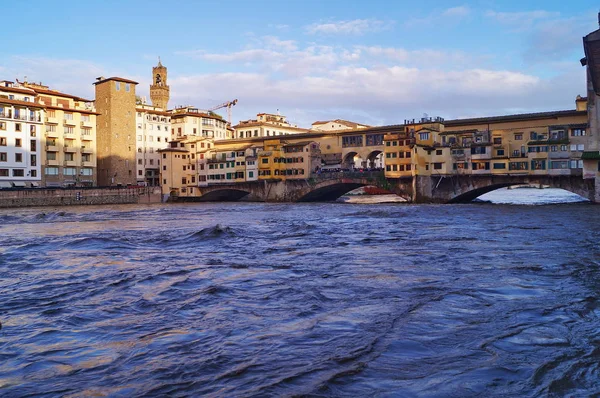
(78, 196)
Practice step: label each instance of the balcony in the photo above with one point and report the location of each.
(86, 149)
(5, 115)
(51, 119)
(20, 117)
(51, 148)
(70, 163)
(70, 149)
(88, 164)
(53, 134)
(69, 122)
(87, 124)
(52, 162)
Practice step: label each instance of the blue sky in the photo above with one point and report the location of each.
(376, 62)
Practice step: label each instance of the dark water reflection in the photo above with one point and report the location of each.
(317, 299)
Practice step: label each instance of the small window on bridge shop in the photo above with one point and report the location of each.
(499, 166)
(438, 152)
(388, 155)
(478, 150)
(401, 155)
(500, 152)
(400, 167)
(563, 164)
(460, 166)
(517, 166)
(497, 140)
(389, 168)
(388, 143)
(407, 154)
(538, 164)
(576, 164)
(437, 166)
(577, 132)
(265, 160)
(395, 167)
(481, 166)
(408, 167)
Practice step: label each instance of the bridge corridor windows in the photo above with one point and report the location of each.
(352, 141)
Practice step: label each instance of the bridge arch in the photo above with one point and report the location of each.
(223, 195)
(375, 159)
(465, 193)
(331, 190)
(349, 160)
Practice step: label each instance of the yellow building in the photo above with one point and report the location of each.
(70, 142)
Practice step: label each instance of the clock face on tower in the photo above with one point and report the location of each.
(158, 79)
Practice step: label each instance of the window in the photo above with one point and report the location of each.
(576, 164)
(17, 126)
(577, 132)
(18, 157)
(265, 160)
(538, 164)
(69, 157)
(127, 86)
(69, 171)
(86, 172)
(32, 131)
(51, 171)
(18, 173)
(518, 136)
(68, 116)
(33, 173)
(478, 150)
(517, 166)
(352, 141)
(3, 157)
(118, 85)
(500, 152)
(437, 166)
(51, 155)
(563, 164)
(499, 166)
(424, 136)
(2, 125)
(3, 172)
(69, 130)
(497, 140)
(438, 152)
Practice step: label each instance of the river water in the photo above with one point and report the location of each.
(330, 299)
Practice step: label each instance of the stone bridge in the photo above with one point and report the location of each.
(417, 189)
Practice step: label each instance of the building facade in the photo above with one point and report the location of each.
(116, 131)
(153, 132)
(21, 130)
(69, 151)
(189, 121)
(265, 125)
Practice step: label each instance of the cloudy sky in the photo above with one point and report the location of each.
(375, 62)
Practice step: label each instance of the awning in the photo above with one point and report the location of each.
(5, 184)
(19, 184)
(35, 184)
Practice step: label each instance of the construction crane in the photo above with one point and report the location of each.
(227, 105)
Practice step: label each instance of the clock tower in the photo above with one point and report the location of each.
(159, 90)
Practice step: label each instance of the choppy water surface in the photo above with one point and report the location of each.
(291, 299)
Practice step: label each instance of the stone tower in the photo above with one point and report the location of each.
(159, 90)
(115, 131)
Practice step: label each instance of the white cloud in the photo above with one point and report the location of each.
(522, 18)
(351, 27)
(71, 76)
(446, 16)
(456, 12)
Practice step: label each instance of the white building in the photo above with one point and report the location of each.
(188, 121)
(153, 130)
(337, 125)
(21, 121)
(266, 125)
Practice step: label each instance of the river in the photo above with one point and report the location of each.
(326, 299)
